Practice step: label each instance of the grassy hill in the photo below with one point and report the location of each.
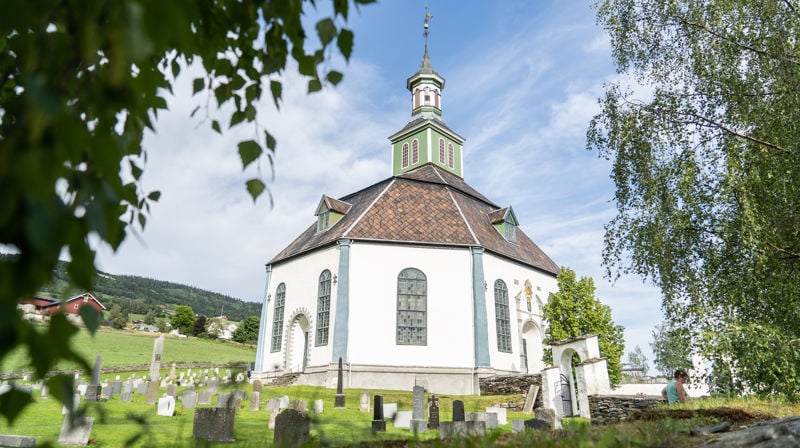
(137, 295)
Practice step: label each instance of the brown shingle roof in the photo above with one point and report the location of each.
(427, 205)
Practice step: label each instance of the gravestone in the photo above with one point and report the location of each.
(166, 406)
(77, 434)
(433, 412)
(255, 401)
(93, 392)
(538, 424)
(292, 429)
(502, 418)
(284, 404)
(225, 400)
(257, 386)
(364, 399)
(378, 423)
(273, 404)
(212, 386)
(204, 397)
(189, 399)
(82, 389)
(108, 392)
(98, 364)
(461, 429)
(116, 387)
(172, 375)
(152, 392)
(10, 440)
(125, 397)
(418, 423)
(458, 411)
(213, 424)
(488, 418)
(172, 390)
(549, 416)
(155, 361)
(389, 409)
(402, 419)
(319, 406)
(517, 425)
(298, 405)
(339, 400)
(272, 416)
(141, 388)
(45, 392)
(127, 387)
(530, 399)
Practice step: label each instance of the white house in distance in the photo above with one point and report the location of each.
(417, 279)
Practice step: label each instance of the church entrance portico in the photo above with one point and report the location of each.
(298, 342)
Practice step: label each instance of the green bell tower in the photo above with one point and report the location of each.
(426, 139)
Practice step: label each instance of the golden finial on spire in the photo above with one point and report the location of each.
(426, 24)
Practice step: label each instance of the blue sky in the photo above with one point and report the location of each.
(522, 82)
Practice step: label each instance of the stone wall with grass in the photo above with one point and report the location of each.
(511, 385)
(613, 408)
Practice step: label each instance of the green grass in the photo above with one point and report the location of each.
(129, 348)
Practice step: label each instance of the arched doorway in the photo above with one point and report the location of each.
(532, 349)
(297, 343)
(568, 385)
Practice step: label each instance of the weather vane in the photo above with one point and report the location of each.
(426, 24)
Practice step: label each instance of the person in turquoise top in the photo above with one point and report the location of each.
(674, 392)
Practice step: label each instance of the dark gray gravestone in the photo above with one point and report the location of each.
(292, 429)
(548, 415)
(339, 400)
(418, 423)
(93, 392)
(378, 424)
(433, 412)
(214, 424)
(458, 411)
(77, 434)
(537, 423)
(152, 392)
(9, 440)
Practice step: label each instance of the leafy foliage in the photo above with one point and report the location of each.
(638, 360)
(183, 319)
(574, 311)
(118, 321)
(706, 170)
(671, 348)
(247, 331)
(79, 85)
(199, 326)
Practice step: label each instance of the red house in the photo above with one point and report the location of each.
(71, 306)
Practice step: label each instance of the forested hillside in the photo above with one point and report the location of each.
(139, 294)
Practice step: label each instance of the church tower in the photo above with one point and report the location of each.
(426, 139)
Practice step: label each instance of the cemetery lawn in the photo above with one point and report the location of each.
(123, 348)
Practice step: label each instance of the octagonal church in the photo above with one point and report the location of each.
(418, 279)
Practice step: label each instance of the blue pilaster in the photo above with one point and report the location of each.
(481, 328)
(340, 326)
(262, 326)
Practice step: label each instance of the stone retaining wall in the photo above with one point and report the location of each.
(511, 385)
(613, 408)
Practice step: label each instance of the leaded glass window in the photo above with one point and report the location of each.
(501, 316)
(450, 155)
(412, 306)
(415, 152)
(405, 155)
(441, 151)
(277, 318)
(323, 307)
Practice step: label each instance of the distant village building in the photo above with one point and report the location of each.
(418, 279)
(49, 305)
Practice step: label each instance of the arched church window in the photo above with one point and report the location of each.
(277, 318)
(405, 155)
(450, 155)
(501, 316)
(415, 152)
(441, 151)
(412, 305)
(323, 307)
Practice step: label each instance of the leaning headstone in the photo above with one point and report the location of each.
(298, 405)
(155, 361)
(339, 400)
(125, 397)
(204, 397)
(213, 424)
(166, 406)
(364, 401)
(257, 386)
(292, 429)
(77, 434)
(273, 404)
(402, 419)
(189, 399)
(548, 415)
(458, 411)
(530, 399)
(501, 414)
(172, 390)
(433, 412)
(9, 440)
(418, 423)
(255, 400)
(319, 406)
(378, 422)
(152, 392)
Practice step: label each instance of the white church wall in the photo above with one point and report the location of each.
(373, 305)
(301, 277)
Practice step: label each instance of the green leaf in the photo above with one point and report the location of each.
(91, 318)
(215, 126)
(249, 151)
(198, 84)
(271, 143)
(255, 187)
(236, 118)
(345, 43)
(334, 77)
(277, 91)
(154, 196)
(326, 30)
(340, 7)
(314, 85)
(13, 402)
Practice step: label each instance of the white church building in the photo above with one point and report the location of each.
(417, 279)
